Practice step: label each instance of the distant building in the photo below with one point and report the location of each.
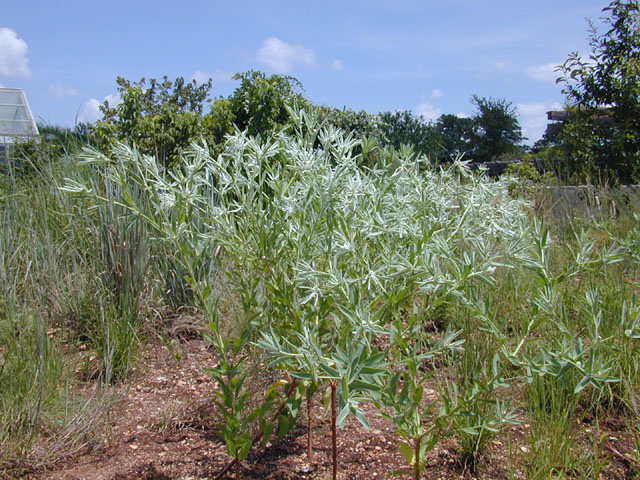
(16, 121)
(559, 117)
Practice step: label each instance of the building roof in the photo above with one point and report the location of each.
(16, 121)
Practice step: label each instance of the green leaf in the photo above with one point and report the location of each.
(293, 404)
(360, 416)
(428, 444)
(407, 452)
(362, 385)
(285, 424)
(231, 446)
(586, 380)
(246, 448)
(267, 431)
(329, 371)
(468, 430)
(342, 416)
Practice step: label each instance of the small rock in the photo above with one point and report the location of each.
(306, 468)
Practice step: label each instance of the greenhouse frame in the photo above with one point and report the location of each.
(16, 121)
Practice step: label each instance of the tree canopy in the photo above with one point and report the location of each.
(163, 117)
(496, 130)
(603, 96)
(455, 135)
(258, 103)
(405, 128)
(490, 133)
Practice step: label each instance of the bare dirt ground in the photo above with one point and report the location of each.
(161, 427)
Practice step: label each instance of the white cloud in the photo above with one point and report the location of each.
(533, 118)
(543, 73)
(337, 65)
(90, 111)
(437, 93)
(13, 55)
(217, 76)
(501, 66)
(282, 56)
(60, 90)
(113, 100)
(462, 115)
(428, 111)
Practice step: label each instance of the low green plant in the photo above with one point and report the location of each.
(116, 339)
(479, 415)
(234, 398)
(525, 179)
(420, 422)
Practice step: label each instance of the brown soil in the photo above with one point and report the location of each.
(161, 428)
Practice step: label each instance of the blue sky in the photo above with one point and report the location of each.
(428, 56)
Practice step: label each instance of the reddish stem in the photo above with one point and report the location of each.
(334, 433)
(309, 428)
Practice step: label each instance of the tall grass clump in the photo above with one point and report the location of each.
(45, 291)
(121, 247)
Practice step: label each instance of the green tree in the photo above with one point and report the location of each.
(496, 129)
(492, 132)
(257, 105)
(219, 122)
(455, 136)
(603, 95)
(161, 118)
(404, 128)
(359, 122)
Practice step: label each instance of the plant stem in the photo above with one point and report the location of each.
(309, 427)
(334, 433)
(416, 465)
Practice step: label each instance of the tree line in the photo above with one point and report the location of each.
(163, 117)
(599, 141)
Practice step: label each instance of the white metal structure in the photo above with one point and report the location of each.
(16, 121)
